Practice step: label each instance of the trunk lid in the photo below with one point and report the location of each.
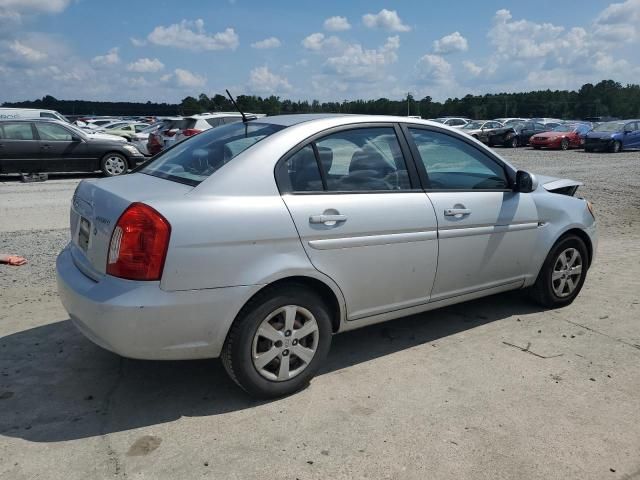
(96, 208)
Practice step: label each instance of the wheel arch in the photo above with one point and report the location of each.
(582, 235)
(330, 294)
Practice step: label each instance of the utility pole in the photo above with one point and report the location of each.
(408, 108)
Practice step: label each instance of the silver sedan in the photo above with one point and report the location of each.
(257, 241)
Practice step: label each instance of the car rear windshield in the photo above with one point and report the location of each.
(195, 159)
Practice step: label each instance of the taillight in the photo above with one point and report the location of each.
(188, 132)
(139, 244)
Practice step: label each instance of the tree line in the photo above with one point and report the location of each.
(606, 98)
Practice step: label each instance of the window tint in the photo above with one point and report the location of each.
(16, 131)
(48, 115)
(455, 122)
(53, 132)
(214, 122)
(303, 171)
(452, 164)
(363, 159)
(140, 127)
(195, 159)
(232, 119)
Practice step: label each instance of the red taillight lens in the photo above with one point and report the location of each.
(188, 132)
(139, 244)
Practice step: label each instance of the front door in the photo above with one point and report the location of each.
(363, 219)
(60, 152)
(486, 231)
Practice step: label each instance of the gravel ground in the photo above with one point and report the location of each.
(491, 389)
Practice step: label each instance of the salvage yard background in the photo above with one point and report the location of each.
(491, 389)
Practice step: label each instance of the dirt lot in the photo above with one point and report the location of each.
(446, 394)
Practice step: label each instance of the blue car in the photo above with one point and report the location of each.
(613, 136)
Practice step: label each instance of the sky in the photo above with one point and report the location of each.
(330, 50)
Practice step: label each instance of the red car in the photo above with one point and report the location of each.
(564, 137)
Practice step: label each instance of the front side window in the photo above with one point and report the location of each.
(53, 132)
(195, 159)
(16, 131)
(452, 164)
(363, 159)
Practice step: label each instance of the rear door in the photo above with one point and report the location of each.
(19, 148)
(486, 230)
(632, 137)
(362, 218)
(60, 152)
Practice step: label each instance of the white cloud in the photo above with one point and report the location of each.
(435, 69)
(619, 22)
(109, 59)
(136, 42)
(386, 19)
(145, 65)
(26, 52)
(472, 68)
(362, 64)
(336, 24)
(185, 78)
(14, 10)
(451, 43)
(271, 42)
(318, 42)
(261, 80)
(191, 35)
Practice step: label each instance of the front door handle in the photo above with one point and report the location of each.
(327, 219)
(456, 212)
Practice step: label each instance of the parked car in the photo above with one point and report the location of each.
(613, 136)
(510, 120)
(256, 242)
(457, 122)
(564, 137)
(141, 139)
(158, 139)
(515, 135)
(96, 123)
(43, 145)
(7, 113)
(481, 129)
(126, 130)
(204, 121)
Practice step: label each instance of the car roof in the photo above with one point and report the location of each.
(37, 119)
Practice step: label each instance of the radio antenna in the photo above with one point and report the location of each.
(244, 117)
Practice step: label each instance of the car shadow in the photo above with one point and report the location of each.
(52, 176)
(55, 385)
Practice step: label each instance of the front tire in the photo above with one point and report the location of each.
(616, 147)
(514, 142)
(562, 274)
(564, 144)
(278, 341)
(114, 164)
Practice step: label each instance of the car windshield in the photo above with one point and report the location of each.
(440, 120)
(609, 127)
(116, 125)
(513, 121)
(564, 128)
(195, 159)
(473, 125)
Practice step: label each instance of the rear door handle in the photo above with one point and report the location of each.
(456, 212)
(327, 219)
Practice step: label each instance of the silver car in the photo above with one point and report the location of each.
(257, 241)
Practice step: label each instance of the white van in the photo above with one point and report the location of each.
(26, 113)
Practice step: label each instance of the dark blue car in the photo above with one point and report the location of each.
(613, 136)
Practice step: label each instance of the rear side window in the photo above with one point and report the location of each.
(48, 115)
(303, 172)
(214, 122)
(452, 164)
(198, 157)
(363, 159)
(53, 132)
(16, 131)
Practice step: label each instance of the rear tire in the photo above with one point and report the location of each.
(114, 164)
(616, 147)
(562, 274)
(514, 142)
(270, 329)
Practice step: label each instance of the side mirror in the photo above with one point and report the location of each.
(525, 182)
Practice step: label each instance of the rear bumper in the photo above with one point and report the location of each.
(139, 320)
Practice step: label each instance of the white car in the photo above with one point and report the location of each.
(204, 121)
(30, 113)
(455, 122)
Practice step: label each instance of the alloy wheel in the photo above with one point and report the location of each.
(285, 343)
(567, 271)
(115, 165)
